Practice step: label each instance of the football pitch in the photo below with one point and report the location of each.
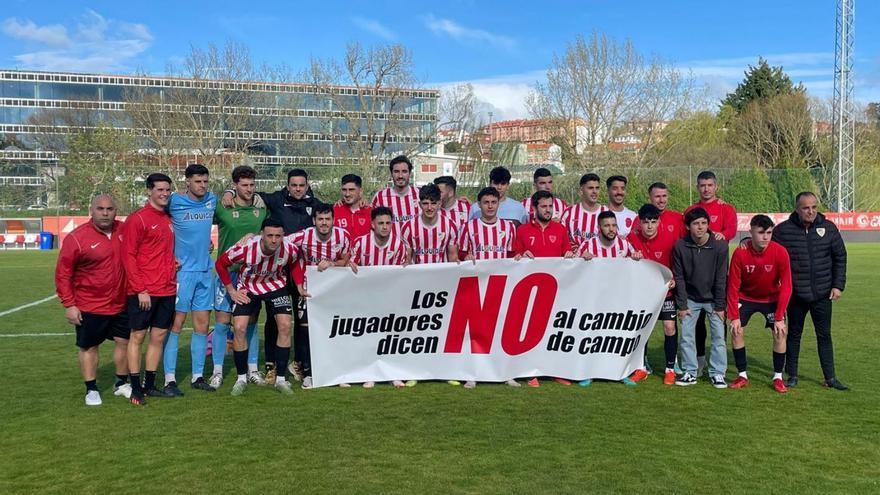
(435, 438)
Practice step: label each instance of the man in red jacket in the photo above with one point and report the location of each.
(759, 281)
(151, 273)
(656, 244)
(543, 237)
(722, 222)
(90, 283)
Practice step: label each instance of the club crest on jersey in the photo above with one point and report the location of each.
(768, 268)
(362, 221)
(309, 210)
(209, 205)
(670, 227)
(714, 218)
(657, 254)
(552, 238)
(234, 214)
(821, 231)
(256, 213)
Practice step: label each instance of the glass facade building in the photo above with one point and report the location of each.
(292, 124)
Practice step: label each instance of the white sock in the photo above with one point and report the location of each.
(670, 370)
(777, 376)
(196, 376)
(218, 369)
(744, 375)
(280, 379)
(253, 368)
(169, 377)
(242, 378)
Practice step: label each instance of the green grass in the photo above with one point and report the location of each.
(436, 438)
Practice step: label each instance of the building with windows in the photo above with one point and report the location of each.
(274, 124)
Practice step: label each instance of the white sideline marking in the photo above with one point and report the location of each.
(28, 305)
(60, 334)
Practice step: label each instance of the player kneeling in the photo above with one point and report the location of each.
(607, 245)
(265, 260)
(381, 247)
(759, 281)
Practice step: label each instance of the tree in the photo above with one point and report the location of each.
(213, 120)
(599, 89)
(101, 160)
(371, 104)
(872, 112)
(777, 131)
(760, 82)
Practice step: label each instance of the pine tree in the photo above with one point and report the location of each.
(761, 82)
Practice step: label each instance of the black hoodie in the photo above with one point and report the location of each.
(818, 256)
(700, 272)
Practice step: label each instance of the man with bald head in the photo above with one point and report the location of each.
(90, 282)
(818, 276)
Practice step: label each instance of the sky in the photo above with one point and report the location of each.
(501, 47)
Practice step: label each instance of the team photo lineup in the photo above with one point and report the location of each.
(143, 279)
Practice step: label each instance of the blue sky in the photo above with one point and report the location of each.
(500, 47)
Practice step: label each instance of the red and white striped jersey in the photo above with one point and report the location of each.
(485, 241)
(620, 248)
(582, 225)
(458, 212)
(430, 242)
(559, 207)
(366, 252)
(313, 250)
(403, 208)
(262, 273)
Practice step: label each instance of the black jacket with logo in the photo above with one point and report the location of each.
(700, 272)
(294, 214)
(818, 256)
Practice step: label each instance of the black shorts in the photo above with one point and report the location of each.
(748, 308)
(160, 315)
(277, 302)
(667, 311)
(95, 329)
(302, 316)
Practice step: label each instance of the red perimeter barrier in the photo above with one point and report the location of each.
(855, 221)
(61, 226)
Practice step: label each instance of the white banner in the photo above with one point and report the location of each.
(489, 321)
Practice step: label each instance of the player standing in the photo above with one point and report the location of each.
(151, 281)
(486, 238)
(456, 208)
(265, 262)
(543, 181)
(759, 281)
(656, 244)
(626, 218)
(722, 222)
(245, 217)
(192, 215)
(90, 282)
(580, 219)
(402, 197)
(349, 213)
(323, 246)
(431, 236)
(699, 265)
(508, 208)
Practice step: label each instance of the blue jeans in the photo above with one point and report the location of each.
(718, 351)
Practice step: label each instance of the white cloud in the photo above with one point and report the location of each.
(462, 34)
(505, 96)
(51, 35)
(374, 27)
(97, 44)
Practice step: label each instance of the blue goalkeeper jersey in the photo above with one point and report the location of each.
(192, 220)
